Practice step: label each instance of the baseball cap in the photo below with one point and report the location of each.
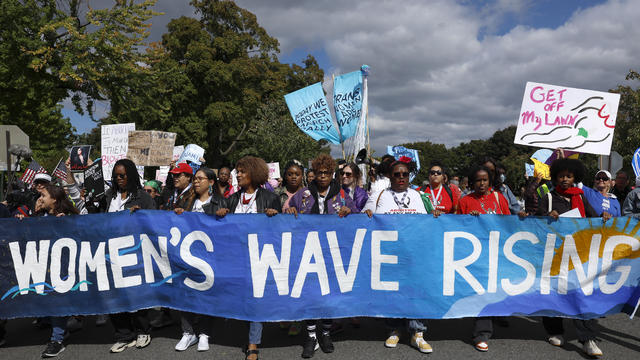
(42, 177)
(182, 168)
(604, 172)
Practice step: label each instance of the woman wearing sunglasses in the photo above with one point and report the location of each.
(599, 197)
(351, 178)
(400, 199)
(444, 200)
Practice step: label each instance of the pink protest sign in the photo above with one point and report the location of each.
(574, 119)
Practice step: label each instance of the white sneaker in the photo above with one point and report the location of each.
(203, 342)
(591, 348)
(556, 340)
(143, 340)
(186, 341)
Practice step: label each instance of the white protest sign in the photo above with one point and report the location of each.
(177, 151)
(574, 119)
(161, 175)
(115, 143)
(191, 153)
(274, 170)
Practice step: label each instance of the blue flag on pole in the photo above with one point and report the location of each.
(400, 151)
(347, 102)
(635, 162)
(310, 112)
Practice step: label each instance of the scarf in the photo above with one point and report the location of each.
(574, 194)
(334, 189)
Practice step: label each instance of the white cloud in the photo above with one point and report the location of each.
(436, 76)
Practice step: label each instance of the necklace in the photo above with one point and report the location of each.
(246, 206)
(404, 201)
(436, 198)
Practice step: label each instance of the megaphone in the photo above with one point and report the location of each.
(361, 158)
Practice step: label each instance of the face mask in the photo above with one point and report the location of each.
(503, 178)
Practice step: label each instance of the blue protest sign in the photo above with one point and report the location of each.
(191, 153)
(310, 112)
(347, 102)
(400, 151)
(253, 267)
(529, 169)
(635, 162)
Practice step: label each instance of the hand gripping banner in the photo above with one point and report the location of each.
(253, 267)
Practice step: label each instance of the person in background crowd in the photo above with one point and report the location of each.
(196, 328)
(400, 199)
(631, 203)
(154, 188)
(483, 200)
(253, 172)
(131, 329)
(444, 202)
(464, 186)
(324, 195)
(455, 180)
(310, 176)
(455, 190)
(351, 180)
(565, 173)
(499, 177)
(379, 176)
(292, 183)
(224, 184)
(599, 198)
(53, 201)
(621, 188)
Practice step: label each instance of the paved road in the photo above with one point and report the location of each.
(523, 339)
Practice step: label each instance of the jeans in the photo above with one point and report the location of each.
(584, 328)
(195, 324)
(255, 333)
(58, 327)
(129, 325)
(414, 325)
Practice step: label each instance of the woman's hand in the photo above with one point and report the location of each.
(436, 213)
(344, 211)
(135, 208)
(270, 212)
(222, 212)
(606, 216)
(474, 212)
(292, 211)
(178, 210)
(522, 214)
(19, 216)
(368, 212)
(554, 214)
(59, 215)
(40, 204)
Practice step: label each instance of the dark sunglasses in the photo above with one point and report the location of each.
(435, 172)
(400, 175)
(602, 178)
(149, 190)
(121, 176)
(347, 174)
(320, 173)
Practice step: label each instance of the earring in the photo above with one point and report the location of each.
(210, 190)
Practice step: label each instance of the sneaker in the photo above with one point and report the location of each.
(163, 319)
(203, 342)
(326, 344)
(294, 329)
(591, 349)
(74, 324)
(143, 340)
(418, 342)
(393, 340)
(53, 349)
(121, 346)
(556, 340)
(309, 348)
(186, 341)
(482, 346)
(101, 320)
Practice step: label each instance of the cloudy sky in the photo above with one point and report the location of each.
(443, 70)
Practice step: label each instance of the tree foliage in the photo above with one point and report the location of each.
(627, 134)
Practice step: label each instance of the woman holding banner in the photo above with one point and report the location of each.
(131, 329)
(400, 199)
(444, 202)
(566, 197)
(324, 195)
(251, 199)
(483, 200)
(351, 177)
(292, 183)
(196, 328)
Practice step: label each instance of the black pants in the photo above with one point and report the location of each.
(482, 329)
(195, 324)
(129, 325)
(584, 328)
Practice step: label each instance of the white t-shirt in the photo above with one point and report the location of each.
(197, 205)
(408, 202)
(380, 184)
(250, 208)
(117, 204)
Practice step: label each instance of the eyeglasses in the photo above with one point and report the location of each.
(121, 176)
(400, 175)
(435, 172)
(347, 174)
(200, 178)
(148, 190)
(323, 173)
(602, 178)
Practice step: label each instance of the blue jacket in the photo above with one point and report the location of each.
(600, 204)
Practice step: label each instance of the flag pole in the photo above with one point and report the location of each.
(333, 81)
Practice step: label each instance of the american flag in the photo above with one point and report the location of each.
(31, 171)
(60, 171)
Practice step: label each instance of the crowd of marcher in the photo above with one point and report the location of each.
(331, 188)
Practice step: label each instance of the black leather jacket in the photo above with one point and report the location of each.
(140, 198)
(265, 199)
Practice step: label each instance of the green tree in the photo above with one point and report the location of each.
(627, 134)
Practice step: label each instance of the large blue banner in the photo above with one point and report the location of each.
(309, 110)
(347, 102)
(319, 266)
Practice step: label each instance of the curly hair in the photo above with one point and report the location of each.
(323, 161)
(256, 168)
(573, 166)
